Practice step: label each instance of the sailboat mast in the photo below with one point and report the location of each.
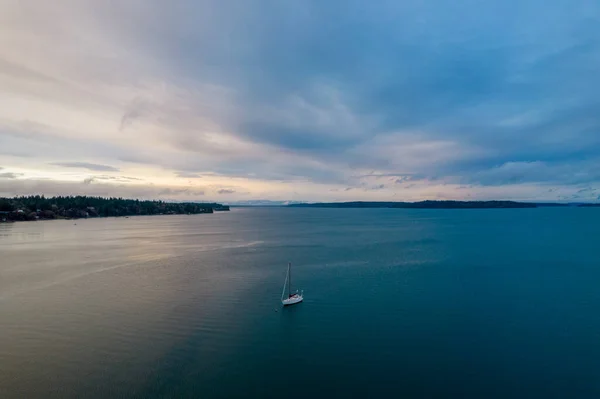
(289, 279)
(284, 287)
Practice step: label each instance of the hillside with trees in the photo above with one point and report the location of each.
(39, 207)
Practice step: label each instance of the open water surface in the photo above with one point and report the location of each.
(398, 303)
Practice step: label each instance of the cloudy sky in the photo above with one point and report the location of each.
(301, 100)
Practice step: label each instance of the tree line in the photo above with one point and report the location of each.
(40, 207)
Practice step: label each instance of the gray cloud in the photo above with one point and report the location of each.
(586, 190)
(9, 175)
(113, 179)
(432, 92)
(575, 172)
(188, 175)
(137, 109)
(180, 192)
(225, 191)
(53, 187)
(85, 165)
(432, 81)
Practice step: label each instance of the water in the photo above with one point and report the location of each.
(401, 303)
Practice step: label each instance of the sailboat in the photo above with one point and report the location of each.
(287, 297)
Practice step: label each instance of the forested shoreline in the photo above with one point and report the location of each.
(37, 207)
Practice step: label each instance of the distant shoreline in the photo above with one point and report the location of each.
(38, 207)
(96, 217)
(439, 205)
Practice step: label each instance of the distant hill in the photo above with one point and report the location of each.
(424, 205)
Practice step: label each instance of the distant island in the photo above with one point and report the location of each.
(39, 207)
(430, 205)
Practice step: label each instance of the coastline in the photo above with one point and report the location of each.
(440, 205)
(98, 217)
(37, 207)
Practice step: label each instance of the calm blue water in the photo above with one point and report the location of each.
(398, 303)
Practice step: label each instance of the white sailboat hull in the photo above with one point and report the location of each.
(293, 300)
(290, 299)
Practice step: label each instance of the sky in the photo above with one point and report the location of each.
(228, 101)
